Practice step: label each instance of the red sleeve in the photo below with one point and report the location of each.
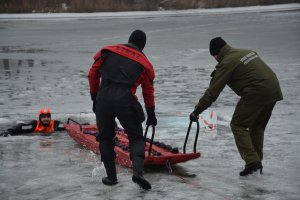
(94, 74)
(147, 90)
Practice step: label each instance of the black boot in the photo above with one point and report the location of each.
(252, 167)
(111, 172)
(138, 166)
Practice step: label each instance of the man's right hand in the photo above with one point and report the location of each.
(194, 116)
(94, 99)
(94, 106)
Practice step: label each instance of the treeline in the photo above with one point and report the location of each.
(42, 6)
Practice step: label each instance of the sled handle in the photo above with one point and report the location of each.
(152, 137)
(187, 136)
(68, 122)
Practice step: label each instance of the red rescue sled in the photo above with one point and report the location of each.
(156, 153)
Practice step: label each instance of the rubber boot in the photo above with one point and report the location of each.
(252, 167)
(111, 172)
(138, 167)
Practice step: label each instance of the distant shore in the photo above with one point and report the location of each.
(142, 14)
(83, 6)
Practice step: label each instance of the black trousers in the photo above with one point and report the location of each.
(118, 102)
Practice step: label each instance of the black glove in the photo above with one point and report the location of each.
(94, 97)
(194, 116)
(94, 106)
(151, 120)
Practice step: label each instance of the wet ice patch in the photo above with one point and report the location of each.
(5, 121)
(98, 173)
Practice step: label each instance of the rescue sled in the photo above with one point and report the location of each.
(156, 153)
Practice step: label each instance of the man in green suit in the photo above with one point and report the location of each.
(257, 85)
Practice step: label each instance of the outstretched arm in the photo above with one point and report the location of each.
(21, 128)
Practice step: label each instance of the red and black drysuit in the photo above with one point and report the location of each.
(122, 68)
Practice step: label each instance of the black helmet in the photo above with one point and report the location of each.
(216, 45)
(138, 38)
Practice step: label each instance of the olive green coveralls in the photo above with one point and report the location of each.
(257, 85)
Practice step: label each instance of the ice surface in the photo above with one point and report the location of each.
(44, 61)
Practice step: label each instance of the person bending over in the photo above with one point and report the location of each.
(257, 85)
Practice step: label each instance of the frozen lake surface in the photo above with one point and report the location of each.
(44, 61)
